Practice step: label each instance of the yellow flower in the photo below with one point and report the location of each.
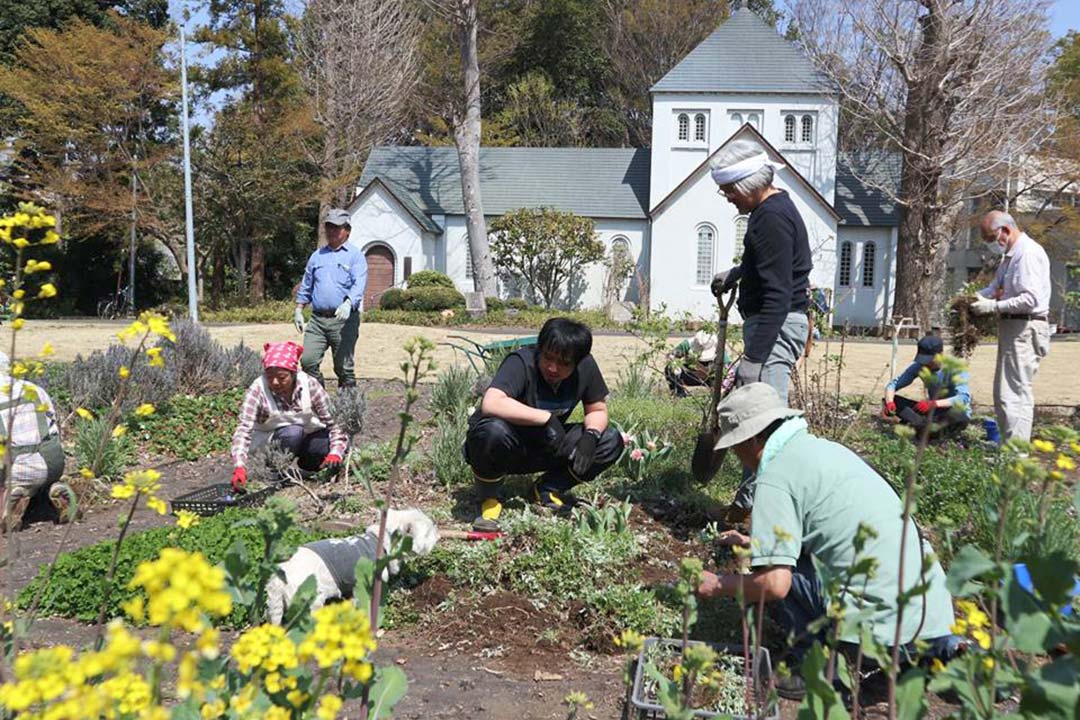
(135, 609)
(342, 633)
(1064, 462)
(181, 588)
(631, 640)
(677, 673)
(207, 644)
(19, 294)
(86, 473)
(17, 324)
(51, 238)
(157, 505)
(266, 648)
(144, 410)
(329, 705)
(154, 354)
(212, 710)
(84, 413)
(20, 243)
(982, 637)
(160, 651)
(47, 350)
(1043, 446)
(47, 290)
(122, 492)
(936, 666)
(278, 713)
(988, 663)
(186, 519)
(119, 430)
(124, 372)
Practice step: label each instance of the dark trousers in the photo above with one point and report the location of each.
(310, 450)
(947, 421)
(494, 448)
(805, 603)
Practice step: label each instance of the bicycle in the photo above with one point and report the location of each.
(114, 306)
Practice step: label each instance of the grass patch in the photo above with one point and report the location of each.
(191, 428)
(76, 585)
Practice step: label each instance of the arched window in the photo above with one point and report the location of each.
(807, 129)
(684, 127)
(845, 264)
(699, 128)
(789, 128)
(620, 253)
(706, 238)
(755, 120)
(740, 238)
(737, 119)
(869, 257)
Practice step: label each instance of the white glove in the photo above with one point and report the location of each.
(343, 310)
(298, 320)
(984, 306)
(747, 372)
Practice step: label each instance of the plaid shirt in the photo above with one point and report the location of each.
(27, 468)
(257, 409)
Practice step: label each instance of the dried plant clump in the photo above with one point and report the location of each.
(966, 328)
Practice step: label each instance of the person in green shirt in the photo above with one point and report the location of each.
(813, 497)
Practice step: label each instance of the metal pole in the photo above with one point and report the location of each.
(193, 298)
(131, 249)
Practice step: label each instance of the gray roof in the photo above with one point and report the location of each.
(592, 182)
(861, 183)
(744, 54)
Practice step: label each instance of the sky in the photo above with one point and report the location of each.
(1065, 16)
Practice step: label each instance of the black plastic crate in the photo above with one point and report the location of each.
(220, 497)
(761, 671)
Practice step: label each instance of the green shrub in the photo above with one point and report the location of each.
(119, 452)
(494, 304)
(201, 365)
(430, 278)
(445, 452)
(453, 392)
(392, 299)
(271, 311)
(433, 299)
(93, 382)
(517, 304)
(75, 588)
(190, 427)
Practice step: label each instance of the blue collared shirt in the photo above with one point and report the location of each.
(955, 387)
(331, 277)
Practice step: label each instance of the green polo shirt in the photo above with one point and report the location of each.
(812, 494)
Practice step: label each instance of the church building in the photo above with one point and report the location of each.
(658, 204)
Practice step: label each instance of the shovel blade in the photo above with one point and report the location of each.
(706, 461)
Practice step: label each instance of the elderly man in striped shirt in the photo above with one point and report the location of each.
(1020, 296)
(287, 406)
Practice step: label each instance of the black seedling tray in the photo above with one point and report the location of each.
(217, 498)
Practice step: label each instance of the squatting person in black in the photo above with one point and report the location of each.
(773, 276)
(521, 425)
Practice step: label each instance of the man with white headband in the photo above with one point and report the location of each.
(772, 278)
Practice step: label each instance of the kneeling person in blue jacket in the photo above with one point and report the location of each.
(948, 401)
(521, 425)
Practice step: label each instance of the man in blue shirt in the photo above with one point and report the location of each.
(948, 401)
(333, 284)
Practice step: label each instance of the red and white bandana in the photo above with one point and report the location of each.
(282, 355)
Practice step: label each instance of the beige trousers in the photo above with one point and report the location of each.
(1021, 345)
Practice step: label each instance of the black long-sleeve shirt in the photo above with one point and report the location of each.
(774, 273)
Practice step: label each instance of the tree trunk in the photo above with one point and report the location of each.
(324, 206)
(467, 140)
(257, 290)
(217, 279)
(922, 242)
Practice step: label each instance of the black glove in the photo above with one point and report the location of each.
(555, 437)
(724, 281)
(585, 452)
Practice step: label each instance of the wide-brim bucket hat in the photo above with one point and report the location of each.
(747, 411)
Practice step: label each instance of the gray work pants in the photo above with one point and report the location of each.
(337, 335)
(1021, 345)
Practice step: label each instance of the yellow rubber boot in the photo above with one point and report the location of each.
(489, 505)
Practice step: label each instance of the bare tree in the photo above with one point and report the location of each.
(953, 87)
(463, 18)
(360, 64)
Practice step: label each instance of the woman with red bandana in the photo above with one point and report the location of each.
(289, 407)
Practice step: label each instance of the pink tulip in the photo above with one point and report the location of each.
(650, 446)
(637, 454)
(626, 440)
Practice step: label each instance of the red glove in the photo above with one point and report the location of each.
(890, 407)
(333, 460)
(239, 478)
(923, 407)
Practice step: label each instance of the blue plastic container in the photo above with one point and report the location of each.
(992, 433)
(1023, 577)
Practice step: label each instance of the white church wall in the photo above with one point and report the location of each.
(675, 243)
(378, 218)
(673, 160)
(855, 302)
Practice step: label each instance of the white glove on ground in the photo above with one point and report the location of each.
(298, 320)
(984, 306)
(343, 310)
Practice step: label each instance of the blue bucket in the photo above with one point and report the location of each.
(991, 428)
(1023, 578)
